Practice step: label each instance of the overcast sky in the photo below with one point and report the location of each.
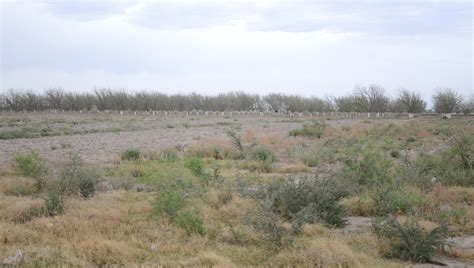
(306, 47)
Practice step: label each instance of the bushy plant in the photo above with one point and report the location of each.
(196, 166)
(368, 170)
(263, 154)
(131, 154)
(75, 177)
(314, 130)
(265, 219)
(169, 201)
(32, 165)
(408, 240)
(54, 203)
(394, 199)
(191, 222)
(308, 200)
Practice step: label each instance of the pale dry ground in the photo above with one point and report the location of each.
(112, 133)
(123, 132)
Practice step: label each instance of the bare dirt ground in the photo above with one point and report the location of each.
(98, 137)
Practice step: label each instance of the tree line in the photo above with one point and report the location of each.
(372, 98)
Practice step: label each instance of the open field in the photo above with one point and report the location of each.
(131, 190)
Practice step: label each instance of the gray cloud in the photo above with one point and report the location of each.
(306, 47)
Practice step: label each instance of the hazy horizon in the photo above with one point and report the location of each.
(307, 48)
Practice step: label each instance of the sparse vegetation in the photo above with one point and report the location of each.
(131, 154)
(408, 240)
(310, 130)
(250, 198)
(32, 165)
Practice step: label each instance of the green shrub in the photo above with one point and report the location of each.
(75, 177)
(314, 130)
(131, 154)
(315, 156)
(394, 199)
(168, 201)
(309, 200)
(191, 222)
(452, 166)
(368, 170)
(171, 201)
(263, 154)
(264, 219)
(32, 165)
(236, 140)
(196, 166)
(462, 147)
(53, 204)
(408, 240)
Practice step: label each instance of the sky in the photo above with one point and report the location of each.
(304, 47)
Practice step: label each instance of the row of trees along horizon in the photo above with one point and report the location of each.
(364, 99)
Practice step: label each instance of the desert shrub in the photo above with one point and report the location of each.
(191, 222)
(265, 167)
(263, 154)
(394, 199)
(32, 165)
(236, 140)
(131, 154)
(452, 166)
(265, 219)
(315, 156)
(308, 200)
(408, 240)
(53, 203)
(314, 130)
(75, 177)
(169, 201)
(196, 166)
(368, 170)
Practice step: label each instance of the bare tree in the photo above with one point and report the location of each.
(467, 106)
(371, 99)
(447, 101)
(345, 104)
(55, 98)
(409, 102)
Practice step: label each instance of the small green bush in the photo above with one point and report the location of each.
(196, 166)
(32, 165)
(314, 130)
(264, 219)
(408, 240)
(75, 177)
(309, 200)
(368, 170)
(394, 199)
(53, 204)
(169, 201)
(191, 222)
(131, 154)
(263, 154)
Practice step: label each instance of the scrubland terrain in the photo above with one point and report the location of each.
(111, 190)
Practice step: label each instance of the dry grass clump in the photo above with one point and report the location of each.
(321, 247)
